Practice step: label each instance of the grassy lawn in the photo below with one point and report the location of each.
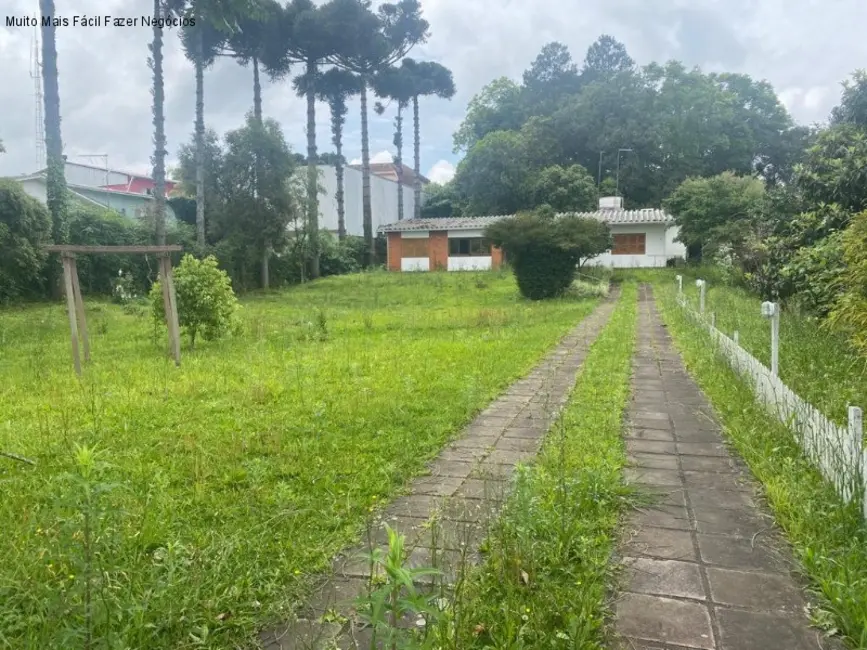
(187, 507)
(829, 540)
(545, 580)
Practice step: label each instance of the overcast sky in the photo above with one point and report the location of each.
(805, 48)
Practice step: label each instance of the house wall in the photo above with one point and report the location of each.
(36, 188)
(80, 175)
(383, 200)
(659, 247)
(438, 252)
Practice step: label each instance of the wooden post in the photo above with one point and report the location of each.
(171, 307)
(70, 308)
(79, 307)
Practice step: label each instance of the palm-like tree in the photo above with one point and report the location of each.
(335, 87)
(56, 172)
(396, 84)
(370, 42)
(155, 61)
(429, 78)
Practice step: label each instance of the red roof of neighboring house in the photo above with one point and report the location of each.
(387, 170)
(138, 185)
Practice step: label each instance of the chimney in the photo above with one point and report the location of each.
(610, 202)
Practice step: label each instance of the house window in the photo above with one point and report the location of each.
(469, 247)
(633, 244)
(413, 247)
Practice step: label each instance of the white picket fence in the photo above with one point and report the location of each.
(837, 452)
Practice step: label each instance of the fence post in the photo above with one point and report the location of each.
(736, 337)
(713, 319)
(772, 310)
(679, 279)
(856, 436)
(701, 284)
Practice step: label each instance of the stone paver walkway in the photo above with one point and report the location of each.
(704, 566)
(444, 517)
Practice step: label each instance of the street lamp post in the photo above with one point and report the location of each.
(619, 151)
(599, 179)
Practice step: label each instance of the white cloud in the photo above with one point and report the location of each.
(442, 172)
(381, 157)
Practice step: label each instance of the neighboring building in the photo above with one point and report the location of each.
(129, 194)
(642, 238)
(383, 200)
(454, 244)
(389, 172)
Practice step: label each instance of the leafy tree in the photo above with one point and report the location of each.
(442, 201)
(711, 212)
(206, 301)
(569, 189)
(259, 201)
(370, 42)
(335, 87)
(834, 170)
(494, 174)
(497, 107)
(429, 78)
(606, 58)
(816, 275)
(853, 105)
(551, 77)
(544, 250)
(25, 227)
(198, 173)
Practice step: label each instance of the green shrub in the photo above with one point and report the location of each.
(850, 312)
(206, 302)
(815, 275)
(25, 226)
(544, 250)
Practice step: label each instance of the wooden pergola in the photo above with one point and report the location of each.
(75, 303)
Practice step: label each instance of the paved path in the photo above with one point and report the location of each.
(445, 515)
(704, 566)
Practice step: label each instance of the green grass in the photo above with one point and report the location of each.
(829, 540)
(188, 507)
(546, 576)
(815, 362)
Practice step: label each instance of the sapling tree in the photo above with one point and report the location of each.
(206, 301)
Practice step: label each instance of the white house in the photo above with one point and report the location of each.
(642, 238)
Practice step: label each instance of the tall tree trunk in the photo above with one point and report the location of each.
(312, 176)
(56, 173)
(398, 161)
(200, 140)
(159, 159)
(366, 211)
(257, 116)
(337, 112)
(257, 92)
(416, 183)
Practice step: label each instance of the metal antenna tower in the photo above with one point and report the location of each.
(36, 75)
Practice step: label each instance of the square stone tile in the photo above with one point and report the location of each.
(530, 445)
(706, 464)
(533, 433)
(493, 421)
(451, 469)
(651, 447)
(696, 435)
(338, 594)
(702, 449)
(703, 498)
(657, 396)
(712, 480)
(662, 517)
(741, 553)
(664, 620)
(506, 457)
(664, 578)
(652, 461)
(462, 455)
(475, 442)
(734, 522)
(647, 476)
(442, 486)
(649, 415)
(740, 630)
(651, 423)
(414, 505)
(474, 488)
(754, 590)
(649, 434)
(661, 543)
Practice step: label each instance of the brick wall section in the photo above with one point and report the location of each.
(394, 251)
(496, 257)
(439, 250)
